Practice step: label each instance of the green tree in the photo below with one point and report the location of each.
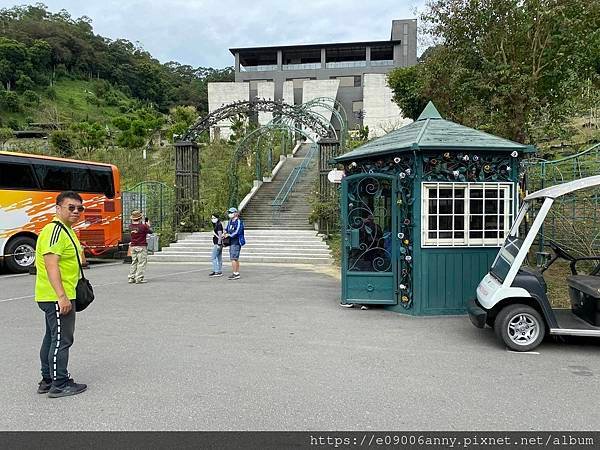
(24, 83)
(137, 128)
(9, 101)
(5, 135)
(180, 119)
(500, 64)
(406, 84)
(31, 98)
(89, 135)
(63, 143)
(14, 61)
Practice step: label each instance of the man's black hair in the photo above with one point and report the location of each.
(216, 215)
(68, 194)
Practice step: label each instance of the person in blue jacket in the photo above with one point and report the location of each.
(235, 232)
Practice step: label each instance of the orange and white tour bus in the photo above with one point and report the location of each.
(29, 185)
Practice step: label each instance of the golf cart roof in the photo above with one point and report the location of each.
(565, 188)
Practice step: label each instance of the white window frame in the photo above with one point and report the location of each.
(509, 198)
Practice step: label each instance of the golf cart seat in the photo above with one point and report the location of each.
(588, 284)
(584, 291)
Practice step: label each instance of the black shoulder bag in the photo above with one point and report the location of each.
(84, 294)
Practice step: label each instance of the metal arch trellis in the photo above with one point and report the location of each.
(248, 107)
(243, 147)
(326, 122)
(337, 110)
(303, 109)
(289, 117)
(339, 106)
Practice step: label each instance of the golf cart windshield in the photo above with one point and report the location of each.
(506, 257)
(510, 248)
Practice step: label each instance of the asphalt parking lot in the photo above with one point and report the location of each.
(274, 351)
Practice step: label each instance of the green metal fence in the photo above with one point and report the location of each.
(156, 201)
(573, 219)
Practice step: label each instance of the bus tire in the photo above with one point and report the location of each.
(21, 262)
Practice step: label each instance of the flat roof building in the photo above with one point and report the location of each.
(353, 73)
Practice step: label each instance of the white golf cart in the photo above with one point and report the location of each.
(513, 299)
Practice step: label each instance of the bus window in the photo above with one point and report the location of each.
(17, 176)
(54, 178)
(76, 178)
(101, 180)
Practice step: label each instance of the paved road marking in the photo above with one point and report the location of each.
(113, 283)
(13, 275)
(15, 298)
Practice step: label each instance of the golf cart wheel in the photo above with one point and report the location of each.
(520, 327)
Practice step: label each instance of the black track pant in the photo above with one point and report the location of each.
(54, 353)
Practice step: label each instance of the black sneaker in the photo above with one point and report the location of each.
(212, 274)
(44, 386)
(234, 276)
(70, 388)
(218, 274)
(347, 305)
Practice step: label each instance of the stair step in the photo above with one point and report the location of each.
(280, 243)
(158, 257)
(251, 250)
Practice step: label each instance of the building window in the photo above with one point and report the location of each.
(382, 55)
(357, 81)
(466, 214)
(357, 106)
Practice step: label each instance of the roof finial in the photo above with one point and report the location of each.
(430, 112)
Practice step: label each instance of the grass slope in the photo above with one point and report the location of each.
(74, 101)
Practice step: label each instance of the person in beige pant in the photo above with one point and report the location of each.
(139, 247)
(139, 258)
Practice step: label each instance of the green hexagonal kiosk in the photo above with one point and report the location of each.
(424, 210)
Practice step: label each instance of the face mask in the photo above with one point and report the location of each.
(214, 220)
(230, 215)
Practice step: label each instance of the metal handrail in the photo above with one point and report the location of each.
(290, 182)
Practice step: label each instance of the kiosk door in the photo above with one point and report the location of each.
(369, 265)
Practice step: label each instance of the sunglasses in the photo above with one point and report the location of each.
(72, 208)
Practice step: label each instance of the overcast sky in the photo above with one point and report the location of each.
(200, 32)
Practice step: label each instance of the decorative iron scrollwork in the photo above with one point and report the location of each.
(403, 167)
(468, 167)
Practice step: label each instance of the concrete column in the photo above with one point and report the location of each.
(237, 62)
(279, 60)
(323, 59)
(368, 56)
(398, 55)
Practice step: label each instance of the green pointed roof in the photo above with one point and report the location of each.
(430, 112)
(432, 132)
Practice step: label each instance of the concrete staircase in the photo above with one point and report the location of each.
(262, 246)
(287, 239)
(258, 213)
